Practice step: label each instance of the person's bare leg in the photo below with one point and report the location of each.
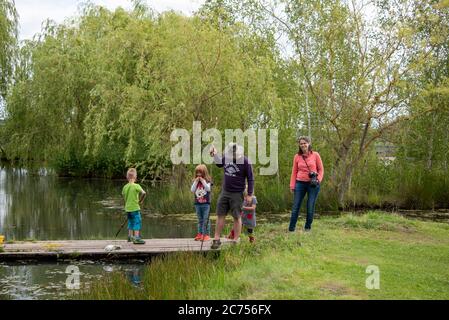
(237, 227)
(219, 226)
(130, 233)
(137, 233)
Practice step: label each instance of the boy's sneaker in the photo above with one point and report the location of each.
(206, 238)
(215, 244)
(198, 237)
(251, 239)
(138, 241)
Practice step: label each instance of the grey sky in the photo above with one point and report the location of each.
(33, 12)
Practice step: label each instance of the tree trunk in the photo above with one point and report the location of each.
(309, 122)
(179, 175)
(341, 176)
(343, 184)
(446, 154)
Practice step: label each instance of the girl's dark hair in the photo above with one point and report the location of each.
(307, 139)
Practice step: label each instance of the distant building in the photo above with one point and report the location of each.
(385, 151)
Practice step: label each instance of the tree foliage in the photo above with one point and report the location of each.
(105, 90)
(358, 60)
(8, 41)
(111, 86)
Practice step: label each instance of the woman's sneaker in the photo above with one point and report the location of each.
(130, 238)
(138, 241)
(215, 244)
(198, 237)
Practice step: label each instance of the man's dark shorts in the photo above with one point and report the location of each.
(230, 201)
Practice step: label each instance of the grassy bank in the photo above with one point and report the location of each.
(329, 263)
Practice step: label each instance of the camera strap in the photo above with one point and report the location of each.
(304, 158)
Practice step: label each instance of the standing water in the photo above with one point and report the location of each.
(49, 208)
(45, 207)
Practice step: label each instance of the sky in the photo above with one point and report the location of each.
(33, 12)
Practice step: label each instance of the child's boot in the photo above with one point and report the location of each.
(138, 240)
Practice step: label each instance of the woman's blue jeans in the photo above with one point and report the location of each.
(301, 188)
(202, 211)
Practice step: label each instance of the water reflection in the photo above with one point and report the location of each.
(134, 276)
(48, 281)
(44, 207)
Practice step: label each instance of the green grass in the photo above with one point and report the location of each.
(329, 263)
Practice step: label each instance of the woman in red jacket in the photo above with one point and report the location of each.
(307, 174)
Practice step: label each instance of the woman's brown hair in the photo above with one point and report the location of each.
(307, 139)
(202, 169)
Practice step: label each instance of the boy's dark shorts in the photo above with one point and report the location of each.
(230, 201)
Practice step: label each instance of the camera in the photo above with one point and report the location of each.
(314, 179)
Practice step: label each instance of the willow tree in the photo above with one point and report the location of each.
(8, 42)
(106, 89)
(186, 70)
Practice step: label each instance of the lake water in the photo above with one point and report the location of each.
(50, 208)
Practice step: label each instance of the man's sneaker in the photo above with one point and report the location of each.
(206, 238)
(215, 244)
(252, 239)
(138, 241)
(198, 237)
(231, 235)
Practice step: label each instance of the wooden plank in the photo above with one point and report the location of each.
(95, 249)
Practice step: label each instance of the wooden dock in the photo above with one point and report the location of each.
(95, 249)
